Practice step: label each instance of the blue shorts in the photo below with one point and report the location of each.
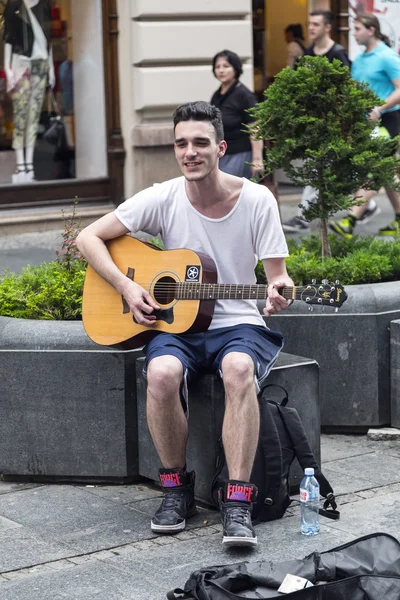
(203, 352)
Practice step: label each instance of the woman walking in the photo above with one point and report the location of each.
(379, 66)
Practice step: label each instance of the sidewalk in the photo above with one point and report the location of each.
(94, 542)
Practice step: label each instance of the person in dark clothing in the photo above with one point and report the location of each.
(319, 33)
(233, 99)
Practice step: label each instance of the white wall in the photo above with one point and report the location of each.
(165, 53)
(90, 127)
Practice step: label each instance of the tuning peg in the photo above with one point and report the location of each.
(324, 281)
(337, 282)
(319, 300)
(310, 308)
(313, 281)
(331, 301)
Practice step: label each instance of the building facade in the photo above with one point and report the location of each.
(121, 69)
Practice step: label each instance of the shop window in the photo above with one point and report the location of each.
(52, 106)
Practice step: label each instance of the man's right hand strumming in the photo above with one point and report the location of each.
(140, 302)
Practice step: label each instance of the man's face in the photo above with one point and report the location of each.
(196, 149)
(317, 28)
(361, 34)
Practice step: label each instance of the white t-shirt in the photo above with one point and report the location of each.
(250, 231)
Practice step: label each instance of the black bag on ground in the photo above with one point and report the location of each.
(364, 569)
(282, 439)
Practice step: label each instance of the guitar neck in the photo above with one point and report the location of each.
(228, 291)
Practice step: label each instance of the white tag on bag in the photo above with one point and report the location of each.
(293, 583)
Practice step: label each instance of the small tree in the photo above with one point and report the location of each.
(319, 114)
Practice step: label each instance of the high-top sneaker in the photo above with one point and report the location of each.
(178, 502)
(236, 502)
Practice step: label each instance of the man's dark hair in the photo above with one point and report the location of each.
(327, 15)
(232, 58)
(201, 111)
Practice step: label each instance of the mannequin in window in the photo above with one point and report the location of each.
(28, 65)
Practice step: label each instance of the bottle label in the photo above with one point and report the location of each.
(304, 496)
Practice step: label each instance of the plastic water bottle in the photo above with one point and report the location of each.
(309, 503)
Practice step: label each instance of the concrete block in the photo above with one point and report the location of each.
(384, 433)
(352, 348)
(299, 376)
(395, 372)
(68, 408)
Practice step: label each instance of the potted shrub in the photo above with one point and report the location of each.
(317, 113)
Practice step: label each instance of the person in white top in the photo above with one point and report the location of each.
(235, 222)
(295, 47)
(28, 65)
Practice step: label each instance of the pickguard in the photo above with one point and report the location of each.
(163, 314)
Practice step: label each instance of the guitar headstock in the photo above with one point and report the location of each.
(324, 293)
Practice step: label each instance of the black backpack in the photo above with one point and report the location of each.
(282, 439)
(365, 568)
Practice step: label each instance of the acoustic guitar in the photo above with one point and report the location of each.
(184, 285)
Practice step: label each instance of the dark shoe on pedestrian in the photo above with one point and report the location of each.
(178, 503)
(392, 229)
(342, 227)
(369, 213)
(295, 224)
(236, 502)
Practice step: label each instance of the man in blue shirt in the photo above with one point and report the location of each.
(379, 66)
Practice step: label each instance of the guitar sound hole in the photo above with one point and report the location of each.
(164, 290)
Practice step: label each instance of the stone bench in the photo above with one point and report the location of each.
(68, 406)
(395, 372)
(298, 375)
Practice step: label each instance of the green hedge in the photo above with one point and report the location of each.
(48, 291)
(54, 290)
(359, 260)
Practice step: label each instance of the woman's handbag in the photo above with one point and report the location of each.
(55, 134)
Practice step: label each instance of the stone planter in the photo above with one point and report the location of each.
(352, 348)
(68, 406)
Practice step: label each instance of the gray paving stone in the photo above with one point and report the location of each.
(7, 487)
(173, 565)
(377, 468)
(343, 482)
(379, 513)
(81, 521)
(336, 447)
(97, 581)
(7, 524)
(123, 494)
(21, 548)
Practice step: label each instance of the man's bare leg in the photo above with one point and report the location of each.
(242, 418)
(366, 195)
(394, 198)
(169, 430)
(165, 417)
(240, 438)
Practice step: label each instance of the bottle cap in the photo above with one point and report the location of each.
(309, 471)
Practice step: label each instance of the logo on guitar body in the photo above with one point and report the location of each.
(192, 273)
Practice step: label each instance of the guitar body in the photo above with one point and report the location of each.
(105, 314)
